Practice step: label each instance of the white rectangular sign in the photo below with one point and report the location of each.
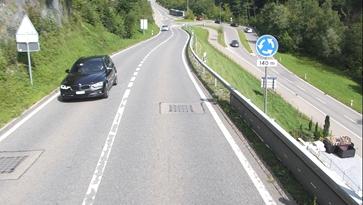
(271, 82)
(143, 24)
(266, 63)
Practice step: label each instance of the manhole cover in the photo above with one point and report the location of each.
(14, 164)
(169, 108)
(9, 164)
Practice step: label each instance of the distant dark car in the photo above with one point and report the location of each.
(200, 18)
(234, 43)
(217, 21)
(234, 24)
(89, 77)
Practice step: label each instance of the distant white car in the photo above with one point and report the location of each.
(164, 28)
(248, 30)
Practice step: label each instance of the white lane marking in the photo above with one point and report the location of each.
(300, 87)
(243, 160)
(98, 173)
(138, 69)
(140, 65)
(26, 118)
(135, 73)
(32, 113)
(324, 114)
(105, 154)
(320, 100)
(130, 84)
(133, 78)
(350, 119)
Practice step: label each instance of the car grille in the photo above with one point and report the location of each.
(82, 87)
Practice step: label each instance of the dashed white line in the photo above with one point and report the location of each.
(138, 69)
(130, 84)
(133, 78)
(140, 65)
(91, 193)
(300, 87)
(320, 100)
(350, 119)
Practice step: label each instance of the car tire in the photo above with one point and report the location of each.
(105, 91)
(115, 81)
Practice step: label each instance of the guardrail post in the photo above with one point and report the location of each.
(215, 82)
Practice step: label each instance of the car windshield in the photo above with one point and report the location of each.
(88, 66)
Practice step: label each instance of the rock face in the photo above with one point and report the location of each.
(12, 12)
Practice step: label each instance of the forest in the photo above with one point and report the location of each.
(329, 31)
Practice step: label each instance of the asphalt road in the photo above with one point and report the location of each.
(309, 100)
(128, 149)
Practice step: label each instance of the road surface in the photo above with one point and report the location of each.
(155, 140)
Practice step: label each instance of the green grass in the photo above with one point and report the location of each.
(242, 38)
(220, 33)
(287, 116)
(249, 86)
(58, 52)
(328, 79)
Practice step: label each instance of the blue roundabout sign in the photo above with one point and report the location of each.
(267, 46)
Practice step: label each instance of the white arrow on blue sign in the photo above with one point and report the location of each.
(267, 46)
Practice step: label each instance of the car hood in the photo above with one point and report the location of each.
(77, 78)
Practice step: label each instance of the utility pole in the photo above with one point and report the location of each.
(220, 12)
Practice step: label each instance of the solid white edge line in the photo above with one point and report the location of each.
(27, 117)
(54, 95)
(244, 162)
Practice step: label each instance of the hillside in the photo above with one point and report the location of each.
(67, 31)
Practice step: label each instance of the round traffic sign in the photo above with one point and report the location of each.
(267, 46)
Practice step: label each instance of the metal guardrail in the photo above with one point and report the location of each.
(306, 168)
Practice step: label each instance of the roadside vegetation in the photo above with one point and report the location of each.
(243, 39)
(326, 33)
(88, 30)
(249, 86)
(220, 32)
(328, 79)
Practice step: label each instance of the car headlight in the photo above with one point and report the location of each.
(65, 87)
(97, 85)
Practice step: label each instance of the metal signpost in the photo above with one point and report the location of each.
(266, 46)
(143, 25)
(27, 40)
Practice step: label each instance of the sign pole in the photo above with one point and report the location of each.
(265, 96)
(29, 64)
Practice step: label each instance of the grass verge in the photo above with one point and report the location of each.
(328, 79)
(287, 116)
(243, 39)
(284, 176)
(58, 51)
(220, 32)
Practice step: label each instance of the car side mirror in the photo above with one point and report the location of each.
(67, 71)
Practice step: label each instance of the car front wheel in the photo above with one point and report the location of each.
(105, 91)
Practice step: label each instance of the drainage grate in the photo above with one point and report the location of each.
(14, 164)
(9, 164)
(169, 108)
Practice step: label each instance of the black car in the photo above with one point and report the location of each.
(89, 77)
(217, 21)
(234, 24)
(234, 43)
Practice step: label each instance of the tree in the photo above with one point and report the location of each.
(326, 126)
(316, 132)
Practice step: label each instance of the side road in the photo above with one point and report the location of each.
(351, 169)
